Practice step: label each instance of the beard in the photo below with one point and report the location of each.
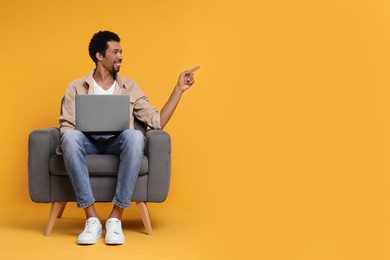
(114, 71)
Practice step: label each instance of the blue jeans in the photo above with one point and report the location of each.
(129, 145)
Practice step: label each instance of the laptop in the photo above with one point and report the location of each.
(102, 114)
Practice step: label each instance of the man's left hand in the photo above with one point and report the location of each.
(186, 79)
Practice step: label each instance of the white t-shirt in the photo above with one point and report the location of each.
(100, 91)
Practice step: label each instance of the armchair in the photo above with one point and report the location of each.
(48, 181)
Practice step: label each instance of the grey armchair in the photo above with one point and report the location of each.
(48, 181)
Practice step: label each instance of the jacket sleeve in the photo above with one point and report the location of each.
(67, 117)
(143, 111)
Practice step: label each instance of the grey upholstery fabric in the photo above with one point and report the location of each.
(98, 165)
(48, 181)
(42, 145)
(158, 150)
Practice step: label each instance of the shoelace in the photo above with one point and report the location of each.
(89, 225)
(115, 228)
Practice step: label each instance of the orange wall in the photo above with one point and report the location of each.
(282, 144)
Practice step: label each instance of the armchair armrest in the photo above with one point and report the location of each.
(42, 144)
(158, 151)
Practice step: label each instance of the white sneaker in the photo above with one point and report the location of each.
(92, 232)
(114, 234)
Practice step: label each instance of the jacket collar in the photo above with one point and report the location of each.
(89, 81)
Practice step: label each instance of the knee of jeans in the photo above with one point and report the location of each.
(71, 136)
(134, 137)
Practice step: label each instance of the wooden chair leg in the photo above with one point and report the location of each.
(55, 209)
(61, 210)
(144, 212)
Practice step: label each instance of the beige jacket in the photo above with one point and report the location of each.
(139, 103)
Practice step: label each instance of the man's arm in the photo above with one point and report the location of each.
(67, 116)
(185, 81)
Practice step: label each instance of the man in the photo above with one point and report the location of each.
(106, 52)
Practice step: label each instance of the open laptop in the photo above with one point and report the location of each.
(102, 114)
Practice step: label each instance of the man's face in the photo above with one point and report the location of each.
(113, 58)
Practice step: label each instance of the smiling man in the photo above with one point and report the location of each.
(106, 52)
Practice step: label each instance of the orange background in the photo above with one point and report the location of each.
(280, 149)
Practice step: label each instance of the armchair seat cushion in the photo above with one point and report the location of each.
(98, 165)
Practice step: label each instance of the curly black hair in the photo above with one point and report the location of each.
(99, 41)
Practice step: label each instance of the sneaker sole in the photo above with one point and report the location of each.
(114, 242)
(89, 242)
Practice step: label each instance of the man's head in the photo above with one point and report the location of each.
(100, 43)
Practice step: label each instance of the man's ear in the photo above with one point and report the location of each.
(99, 56)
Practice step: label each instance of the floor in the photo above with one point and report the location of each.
(174, 237)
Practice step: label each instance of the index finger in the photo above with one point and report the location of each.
(194, 68)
